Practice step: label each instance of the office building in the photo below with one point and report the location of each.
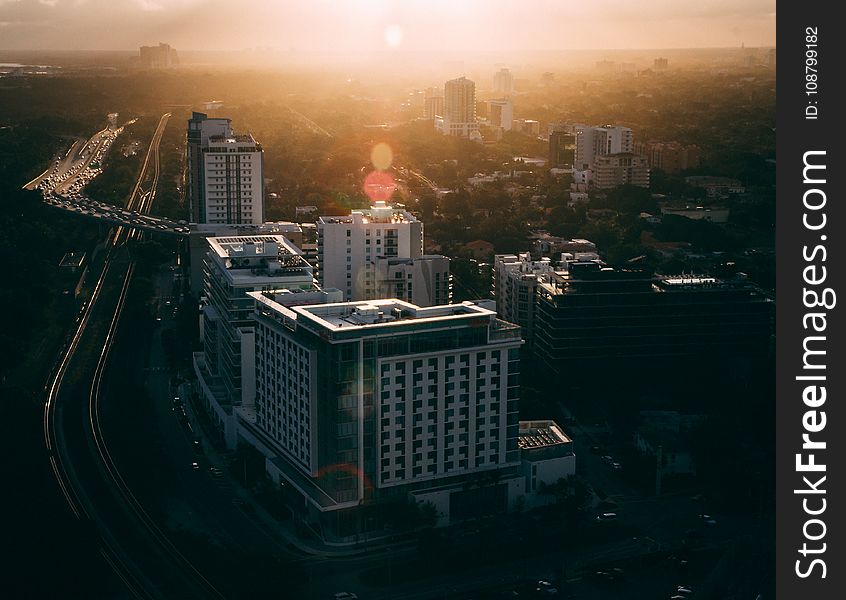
(198, 245)
(595, 318)
(363, 252)
(670, 157)
(625, 168)
(503, 82)
(598, 141)
(433, 103)
(158, 57)
(562, 149)
(233, 267)
(459, 114)
(362, 404)
(225, 173)
(424, 281)
(515, 279)
(501, 113)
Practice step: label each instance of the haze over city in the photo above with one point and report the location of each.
(360, 27)
(442, 300)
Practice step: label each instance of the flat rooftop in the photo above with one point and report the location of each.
(263, 246)
(379, 212)
(379, 313)
(540, 434)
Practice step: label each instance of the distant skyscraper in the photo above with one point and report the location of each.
(459, 115)
(562, 147)
(158, 57)
(225, 173)
(596, 141)
(501, 113)
(433, 103)
(503, 82)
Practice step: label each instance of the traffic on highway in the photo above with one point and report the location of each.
(63, 185)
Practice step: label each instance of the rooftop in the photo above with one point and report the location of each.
(380, 313)
(540, 434)
(379, 212)
(259, 256)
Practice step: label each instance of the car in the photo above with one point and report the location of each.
(708, 519)
(596, 450)
(684, 591)
(607, 459)
(607, 516)
(616, 466)
(195, 465)
(345, 596)
(544, 588)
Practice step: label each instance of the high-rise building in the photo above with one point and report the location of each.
(225, 173)
(596, 318)
(433, 103)
(562, 148)
(459, 114)
(597, 141)
(363, 252)
(424, 281)
(503, 82)
(670, 157)
(235, 266)
(158, 57)
(501, 113)
(365, 403)
(625, 168)
(515, 280)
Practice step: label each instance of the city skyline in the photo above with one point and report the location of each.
(364, 27)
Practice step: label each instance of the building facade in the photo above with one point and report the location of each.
(501, 113)
(515, 281)
(362, 403)
(503, 82)
(459, 114)
(625, 168)
(235, 266)
(363, 252)
(626, 320)
(598, 141)
(225, 173)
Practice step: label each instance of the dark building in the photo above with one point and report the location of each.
(630, 320)
(562, 149)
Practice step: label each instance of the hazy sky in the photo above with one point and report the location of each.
(371, 25)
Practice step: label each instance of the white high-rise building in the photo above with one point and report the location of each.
(225, 173)
(233, 267)
(503, 82)
(424, 281)
(599, 141)
(370, 402)
(459, 115)
(516, 279)
(352, 252)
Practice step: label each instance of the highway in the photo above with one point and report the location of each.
(62, 186)
(139, 553)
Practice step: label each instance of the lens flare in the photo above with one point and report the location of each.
(379, 186)
(382, 156)
(393, 35)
